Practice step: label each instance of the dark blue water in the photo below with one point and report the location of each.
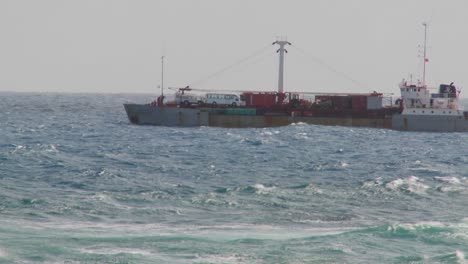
(79, 184)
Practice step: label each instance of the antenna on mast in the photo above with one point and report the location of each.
(424, 55)
(281, 42)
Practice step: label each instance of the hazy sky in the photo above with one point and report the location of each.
(338, 45)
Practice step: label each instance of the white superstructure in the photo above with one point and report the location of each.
(418, 100)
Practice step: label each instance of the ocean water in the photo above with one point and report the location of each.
(79, 184)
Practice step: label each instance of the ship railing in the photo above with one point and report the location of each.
(443, 95)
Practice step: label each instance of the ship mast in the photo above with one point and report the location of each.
(281, 42)
(424, 55)
(162, 76)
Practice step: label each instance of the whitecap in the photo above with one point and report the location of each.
(460, 257)
(261, 189)
(51, 148)
(229, 259)
(421, 226)
(114, 251)
(448, 179)
(298, 124)
(373, 183)
(216, 232)
(453, 184)
(19, 148)
(394, 184)
(446, 189)
(412, 184)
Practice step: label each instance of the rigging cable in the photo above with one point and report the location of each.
(330, 68)
(237, 63)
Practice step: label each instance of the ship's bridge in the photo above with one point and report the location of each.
(414, 92)
(415, 96)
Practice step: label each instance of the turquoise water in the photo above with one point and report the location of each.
(79, 184)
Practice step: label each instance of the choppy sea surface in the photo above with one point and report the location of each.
(80, 184)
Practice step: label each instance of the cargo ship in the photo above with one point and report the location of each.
(238, 109)
(267, 109)
(416, 110)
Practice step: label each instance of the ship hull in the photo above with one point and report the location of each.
(144, 114)
(189, 117)
(430, 123)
